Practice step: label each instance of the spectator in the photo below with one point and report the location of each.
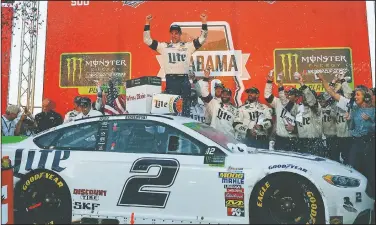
(47, 118)
(254, 121)
(27, 125)
(86, 111)
(9, 121)
(72, 114)
(286, 134)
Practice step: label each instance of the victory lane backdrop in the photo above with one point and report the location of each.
(257, 28)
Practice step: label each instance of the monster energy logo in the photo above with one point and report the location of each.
(288, 57)
(72, 71)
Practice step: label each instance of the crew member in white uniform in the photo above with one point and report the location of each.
(254, 121)
(176, 59)
(86, 109)
(222, 113)
(72, 114)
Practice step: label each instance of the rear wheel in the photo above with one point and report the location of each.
(286, 199)
(42, 197)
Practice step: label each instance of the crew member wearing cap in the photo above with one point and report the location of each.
(328, 117)
(86, 110)
(72, 114)
(285, 109)
(254, 121)
(222, 113)
(176, 59)
(309, 120)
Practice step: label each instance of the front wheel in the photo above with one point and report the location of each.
(286, 199)
(42, 197)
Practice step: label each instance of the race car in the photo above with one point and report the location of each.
(144, 168)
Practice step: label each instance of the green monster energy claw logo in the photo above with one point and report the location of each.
(74, 66)
(289, 62)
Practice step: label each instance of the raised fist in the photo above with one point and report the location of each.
(203, 17)
(149, 18)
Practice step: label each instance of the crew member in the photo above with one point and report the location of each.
(176, 59)
(48, 118)
(86, 110)
(254, 121)
(72, 114)
(222, 113)
(285, 109)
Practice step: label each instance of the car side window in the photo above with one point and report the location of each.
(150, 137)
(76, 137)
(44, 141)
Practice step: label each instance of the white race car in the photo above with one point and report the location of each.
(165, 169)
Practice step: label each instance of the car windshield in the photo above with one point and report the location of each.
(215, 135)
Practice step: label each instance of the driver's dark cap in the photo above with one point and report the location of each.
(218, 85)
(85, 102)
(175, 27)
(252, 90)
(293, 91)
(227, 90)
(77, 100)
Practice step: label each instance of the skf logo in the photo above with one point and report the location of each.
(231, 175)
(234, 203)
(289, 62)
(74, 64)
(85, 205)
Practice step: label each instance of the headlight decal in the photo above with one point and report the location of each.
(341, 181)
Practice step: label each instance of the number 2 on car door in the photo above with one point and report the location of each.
(133, 193)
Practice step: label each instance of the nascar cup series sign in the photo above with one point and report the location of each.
(83, 70)
(312, 61)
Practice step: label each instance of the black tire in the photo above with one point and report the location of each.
(286, 199)
(42, 197)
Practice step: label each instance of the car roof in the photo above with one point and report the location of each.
(156, 117)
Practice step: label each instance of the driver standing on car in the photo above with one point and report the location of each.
(254, 121)
(86, 110)
(176, 59)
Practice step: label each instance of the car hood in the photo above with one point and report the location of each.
(306, 161)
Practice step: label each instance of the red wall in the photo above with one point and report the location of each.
(6, 36)
(257, 28)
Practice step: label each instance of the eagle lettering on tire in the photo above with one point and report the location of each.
(276, 201)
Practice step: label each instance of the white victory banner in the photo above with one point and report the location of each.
(222, 63)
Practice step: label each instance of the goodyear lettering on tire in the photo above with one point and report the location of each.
(261, 194)
(313, 207)
(39, 176)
